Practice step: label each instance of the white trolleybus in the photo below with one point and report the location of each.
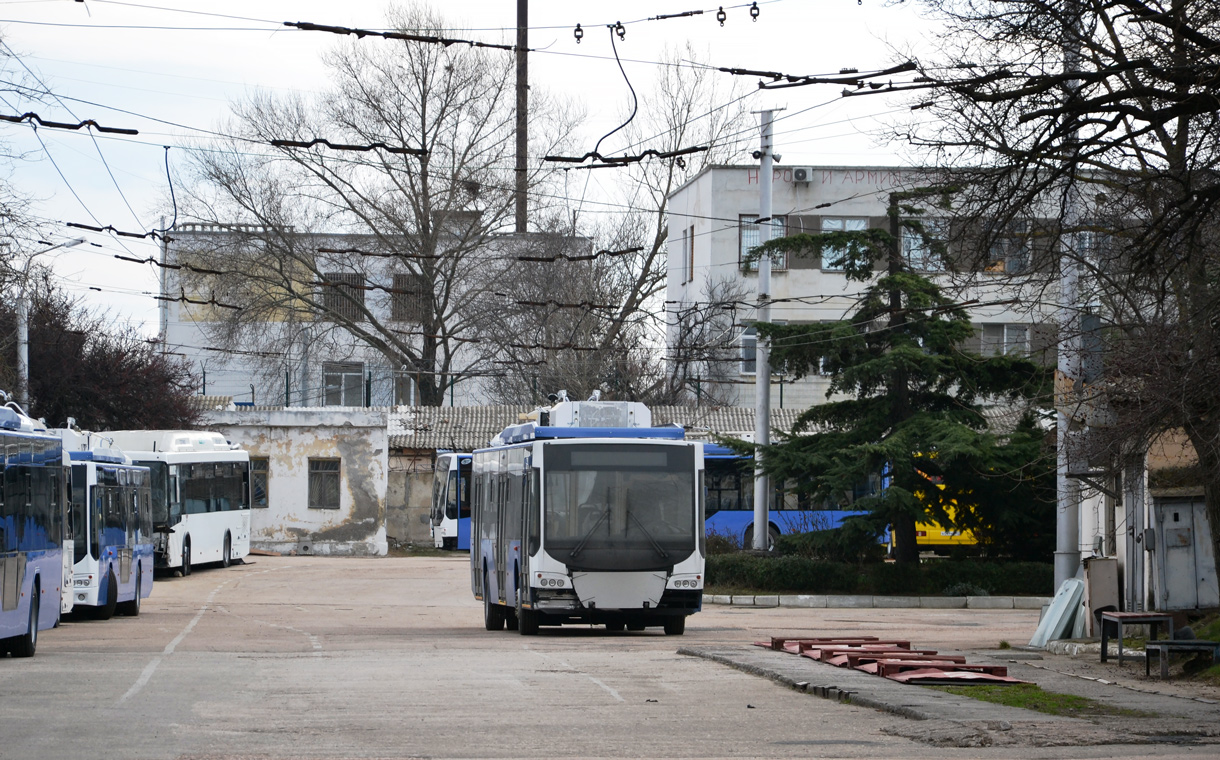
(588, 515)
(112, 528)
(451, 501)
(200, 492)
(31, 531)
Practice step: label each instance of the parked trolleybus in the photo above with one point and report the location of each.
(588, 515)
(451, 501)
(111, 518)
(730, 503)
(31, 531)
(200, 493)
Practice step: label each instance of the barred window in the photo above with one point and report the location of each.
(749, 240)
(343, 295)
(323, 483)
(412, 298)
(259, 471)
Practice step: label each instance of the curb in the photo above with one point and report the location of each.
(856, 601)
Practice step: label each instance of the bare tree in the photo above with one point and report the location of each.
(616, 343)
(394, 251)
(1093, 125)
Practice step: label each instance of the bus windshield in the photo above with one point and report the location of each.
(613, 506)
(159, 479)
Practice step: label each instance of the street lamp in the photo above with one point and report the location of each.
(23, 325)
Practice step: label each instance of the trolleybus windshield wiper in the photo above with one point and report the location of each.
(655, 545)
(581, 546)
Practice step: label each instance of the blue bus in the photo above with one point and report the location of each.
(31, 531)
(451, 501)
(111, 507)
(730, 503)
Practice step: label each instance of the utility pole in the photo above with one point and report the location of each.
(523, 39)
(762, 365)
(23, 326)
(164, 304)
(1068, 369)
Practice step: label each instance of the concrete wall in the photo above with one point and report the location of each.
(289, 438)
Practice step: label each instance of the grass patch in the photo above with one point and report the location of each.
(1032, 697)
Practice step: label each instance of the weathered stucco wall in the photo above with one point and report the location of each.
(409, 500)
(289, 438)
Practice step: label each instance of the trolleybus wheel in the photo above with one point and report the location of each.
(493, 614)
(675, 626)
(186, 559)
(132, 607)
(24, 646)
(527, 622)
(772, 538)
(106, 611)
(226, 559)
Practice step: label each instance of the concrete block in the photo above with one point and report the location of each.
(989, 602)
(849, 601)
(766, 601)
(896, 602)
(942, 602)
(720, 599)
(803, 600)
(742, 600)
(1030, 602)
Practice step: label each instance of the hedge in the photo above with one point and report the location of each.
(800, 575)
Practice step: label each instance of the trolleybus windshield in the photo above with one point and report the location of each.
(620, 506)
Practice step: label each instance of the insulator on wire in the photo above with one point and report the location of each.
(754, 10)
(721, 15)
(578, 33)
(620, 30)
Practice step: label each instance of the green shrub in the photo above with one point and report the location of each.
(852, 542)
(802, 574)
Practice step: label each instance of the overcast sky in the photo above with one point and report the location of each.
(169, 69)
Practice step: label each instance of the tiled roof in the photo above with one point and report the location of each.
(462, 428)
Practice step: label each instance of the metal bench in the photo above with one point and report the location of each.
(1164, 648)
(1119, 619)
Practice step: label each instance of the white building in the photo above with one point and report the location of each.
(711, 229)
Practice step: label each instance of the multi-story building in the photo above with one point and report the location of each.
(712, 227)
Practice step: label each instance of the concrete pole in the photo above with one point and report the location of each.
(23, 347)
(523, 38)
(1068, 370)
(762, 367)
(164, 307)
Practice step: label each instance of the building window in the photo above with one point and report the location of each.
(343, 295)
(999, 339)
(832, 258)
(918, 247)
(342, 384)
(412, 299)
(259, 469)
(747, 225)
(323, 483)
(749, 351)
(1009, 251)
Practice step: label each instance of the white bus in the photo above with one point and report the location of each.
(451, 501)
(588, 515)
(200, 492)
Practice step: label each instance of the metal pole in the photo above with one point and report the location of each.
(762, 367)
(523, 38)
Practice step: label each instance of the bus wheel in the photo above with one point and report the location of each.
(106, 611)
(527, 622)
(132, 608)
(772, 538)
(186, 559)
(675, 626)
(226, 559)
(24, 646)
(493, 614)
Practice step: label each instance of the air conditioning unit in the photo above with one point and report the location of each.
(802, 174)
